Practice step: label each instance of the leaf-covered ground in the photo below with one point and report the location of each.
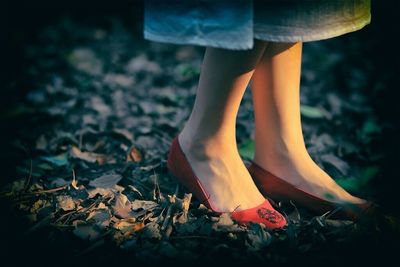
(93, 134)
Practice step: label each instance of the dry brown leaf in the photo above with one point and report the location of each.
(38, 205)
(86, 60)
(185, 208)
(105, 191)
(65, 203)
(134, 155)
(225, 224)
(143, 204)
(122, 206)
(101, 206)
(89, 156)
(129, 227)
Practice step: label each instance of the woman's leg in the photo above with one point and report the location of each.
(280, 147)
(208, 139)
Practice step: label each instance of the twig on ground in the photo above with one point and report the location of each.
(52, 190)
(169, 210)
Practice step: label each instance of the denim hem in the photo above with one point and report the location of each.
(271, 33)
(196, 40)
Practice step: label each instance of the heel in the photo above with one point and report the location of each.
(280, 190)
(180, 169)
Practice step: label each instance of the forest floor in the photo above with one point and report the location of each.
(92, 138)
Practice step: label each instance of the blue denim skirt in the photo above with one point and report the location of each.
(235, 24)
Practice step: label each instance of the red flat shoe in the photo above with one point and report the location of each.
(280, 190)
(180, 168)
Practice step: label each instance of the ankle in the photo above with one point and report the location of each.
(281, 158)
(280, 150)
(201, 146)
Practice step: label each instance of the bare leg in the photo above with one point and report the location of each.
(280, 146)
(209, 140)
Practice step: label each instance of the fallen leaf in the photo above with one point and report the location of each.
(143, 204)
(58, 182)
(311, 112)
(134, 155)
(113, 79)
(100, 216)
(122, 206)
(105, 191)
(89, 156)
(86, 60)
(129, 227)
(39, 204)
(101, 205)
(45, 166)
(59, 160)
(36, 187)
(258, 237)
(106, 181)
(185, 208)
(65, 203)
(226, 224)
(151, 231)
(142, 63)
(99, 105)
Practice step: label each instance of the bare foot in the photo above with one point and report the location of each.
(222, 173)
(301, 171)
